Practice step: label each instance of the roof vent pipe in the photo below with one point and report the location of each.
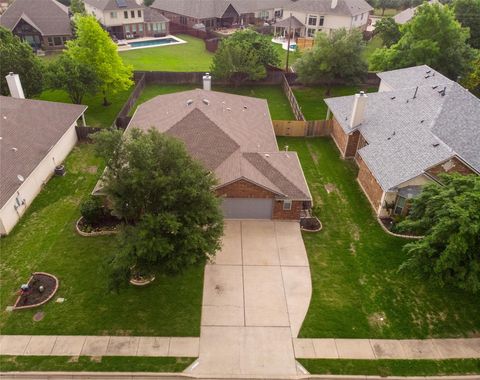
(358, 110)
(207, 82)
(15, 86)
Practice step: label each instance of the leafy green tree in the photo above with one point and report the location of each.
(472, 81)
(76, 78)
(93, 47)
(77, 6)
(18, 57)
(245, 55)
(467, 13)
(384, 4)
(174, 218)
(336, 57)
(388, 30)
(449, 218)
(148, 3)
(432, 37)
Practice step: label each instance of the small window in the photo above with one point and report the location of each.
(312, 20)
(134, 28)
(132, 14)
(50, 41)
(140, 27)
(287, 205)
(139, 13)
(311, 32)
(127, 28)
(321, 20)
(125, 14)
(399, 205)
(57, 41)
(113, 14)
(279, 13)
(183, 20)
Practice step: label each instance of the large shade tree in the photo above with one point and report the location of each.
(93, 47)
(245, 55)
(467, 13)
(336, 57)
(433, 37)
(173, 217)
(18, 57)
(388, 30)
(449, 217)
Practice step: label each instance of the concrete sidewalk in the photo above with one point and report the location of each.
(64, 345)
(436, 349)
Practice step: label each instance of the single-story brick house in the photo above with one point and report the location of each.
(418, 125)
(35, 137)
(233, 137)
(44, 24)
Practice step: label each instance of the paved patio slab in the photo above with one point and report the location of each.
(261, 351)
(298, 292)
(265, 303)
(153, 346)
(291, 248)
(68, 345)
(40, 345)
(95, 345)
(259, 243)
(231, 251)
(354, 349)
(223, 296)
(13, 344)
(123, 346)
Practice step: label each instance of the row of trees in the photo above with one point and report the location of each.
(90, 64)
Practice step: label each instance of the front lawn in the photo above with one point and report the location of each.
(191, 56)
(45, 240)
(357, 290)
(277, 101)
(311, 101)
(97, 114)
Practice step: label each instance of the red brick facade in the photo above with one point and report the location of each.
(453, 165)
(369, 184)
(246, 189)
(347, 143)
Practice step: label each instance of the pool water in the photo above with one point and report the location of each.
(160, 41)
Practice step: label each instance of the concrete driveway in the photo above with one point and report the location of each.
(256, 295)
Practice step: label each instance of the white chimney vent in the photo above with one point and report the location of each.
(207, 82)
(334, 4)
(15, 86)
(358, 110)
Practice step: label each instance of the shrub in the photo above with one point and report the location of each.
(92, 210)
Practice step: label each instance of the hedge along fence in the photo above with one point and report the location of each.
(302, 128)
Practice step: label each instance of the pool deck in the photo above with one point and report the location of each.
(127, 47)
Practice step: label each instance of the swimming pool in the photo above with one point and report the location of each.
(158, 41)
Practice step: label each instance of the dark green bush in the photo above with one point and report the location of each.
(92, 210)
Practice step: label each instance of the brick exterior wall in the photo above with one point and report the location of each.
(346, 143)
(453, 165)
(369, 184)
(245, 189)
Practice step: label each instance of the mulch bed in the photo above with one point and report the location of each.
(109, 223)
(310, 224)
(34, 297)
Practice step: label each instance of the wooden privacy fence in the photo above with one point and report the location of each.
(297, 111)
(302, 128)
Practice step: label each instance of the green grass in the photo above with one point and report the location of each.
(282, 53)
(392, 367)
(277, 102)
(311, 101)
(88, 364)
(191, 56)
(45, 240)
(97, 115)
(354, 265)
(372, 45)
(389, 12)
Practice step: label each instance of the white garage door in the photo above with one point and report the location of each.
(247, 208)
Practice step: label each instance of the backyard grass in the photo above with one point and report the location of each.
(392, 367)
(389, 12)
(311, 101)
(372, 45)
(357, 290)
(97, 114)
(89, 364)
(45, 240)
(191, 56)
(277, 102)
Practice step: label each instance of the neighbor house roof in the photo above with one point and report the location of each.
(412, 129)
(231, 135)
(153, 15)
(343, 7)
(292, 21)
(28, 130)
(112, 5)
(406, 15)
(422, 75)
(49, 17)
(199, 9)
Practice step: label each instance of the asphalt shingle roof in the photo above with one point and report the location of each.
(32, 127)
(111, 5)
(231, 135)
(49, 17)
(408, 135)
(422, 75)
(343, 7)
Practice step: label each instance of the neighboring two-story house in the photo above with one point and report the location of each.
(125, 19)
(418, 125)
(44, 24)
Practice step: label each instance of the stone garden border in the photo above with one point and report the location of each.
(15, 307)
(398, 235)
(94, 233)
(317, 230)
